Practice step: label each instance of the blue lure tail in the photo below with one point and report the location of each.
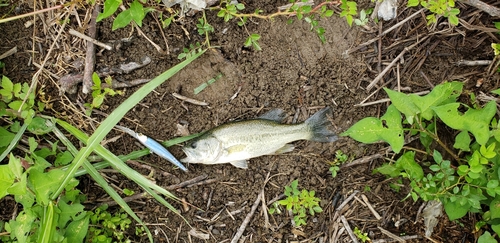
(154, 146)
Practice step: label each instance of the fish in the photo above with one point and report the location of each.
(154, 146)
(236, 142)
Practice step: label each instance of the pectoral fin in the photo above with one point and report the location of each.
(285, 149)
(242, 164)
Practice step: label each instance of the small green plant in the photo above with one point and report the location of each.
(468, 181)
(340, 158)
(107, 227)
(19, 99)
(349, 10)
(361, 236)
(299, 203)
(252, 40)
(303, 11)
(363, 17)
(191, 51)
(136, 12)
(99, 92)
(438, 8)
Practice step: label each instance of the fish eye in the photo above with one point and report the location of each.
(193, 145)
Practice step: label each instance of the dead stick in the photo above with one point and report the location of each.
(87, 38)
(379, 77)
(350, 51)
(243, 225)
(90, 54)
(388, 233)
(491, 10)
(188, 182)
(348, 228)
(363, 160)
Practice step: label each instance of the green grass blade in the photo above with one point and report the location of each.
(131, 156)
(14, 141)
(116, 162)
(101, 181)
(115, 117)
(48, 224)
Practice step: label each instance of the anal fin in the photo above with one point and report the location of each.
(285, 149)
(242, 164)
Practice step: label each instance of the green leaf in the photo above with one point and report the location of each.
(77, 230)
(6, 179)
(123, 19)
(45, 183)
(441, 94)
(438, 158)
(7, 84)
(462, 141)
(488, 152)
(495, 208)
(328, 13)
(63, 158)
(403, 103)
(240, 6)
(388, 170)
(69, 211)
(110, 7)
(496, 228)
(475, 121)
(38, 126)
(455, 210)
(22, 225)
(408, 164)
(486, 238)
(388, 128)
(492, 184)
(453, 19)
(137, 12)
(413, 3)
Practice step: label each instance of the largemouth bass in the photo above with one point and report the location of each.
(235, 142)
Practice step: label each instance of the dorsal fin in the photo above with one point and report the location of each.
(277, 115)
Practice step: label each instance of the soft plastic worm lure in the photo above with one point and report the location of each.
(154, 146)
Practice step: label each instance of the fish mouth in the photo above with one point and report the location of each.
(189, 156)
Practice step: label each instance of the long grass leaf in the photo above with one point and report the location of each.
(14, 141)
(101, 181)
(115, 117)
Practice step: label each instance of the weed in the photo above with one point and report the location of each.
(299, 203)
(136, 12)
(191, 51)
(19, 100)
(106, 227)
(362, 236)
(340, 158)
(51, 203)
(363, 17)
(349, 10)
(438, 8)
(99, 92)
(466, 183)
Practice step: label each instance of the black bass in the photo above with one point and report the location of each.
(235, 142)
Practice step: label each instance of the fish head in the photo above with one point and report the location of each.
(205, 150)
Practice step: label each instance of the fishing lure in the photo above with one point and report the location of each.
(153, 146)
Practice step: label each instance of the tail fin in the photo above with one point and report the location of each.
(318, 124)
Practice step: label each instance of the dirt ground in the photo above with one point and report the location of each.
(294, 72)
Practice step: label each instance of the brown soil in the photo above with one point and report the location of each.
(294, 72)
